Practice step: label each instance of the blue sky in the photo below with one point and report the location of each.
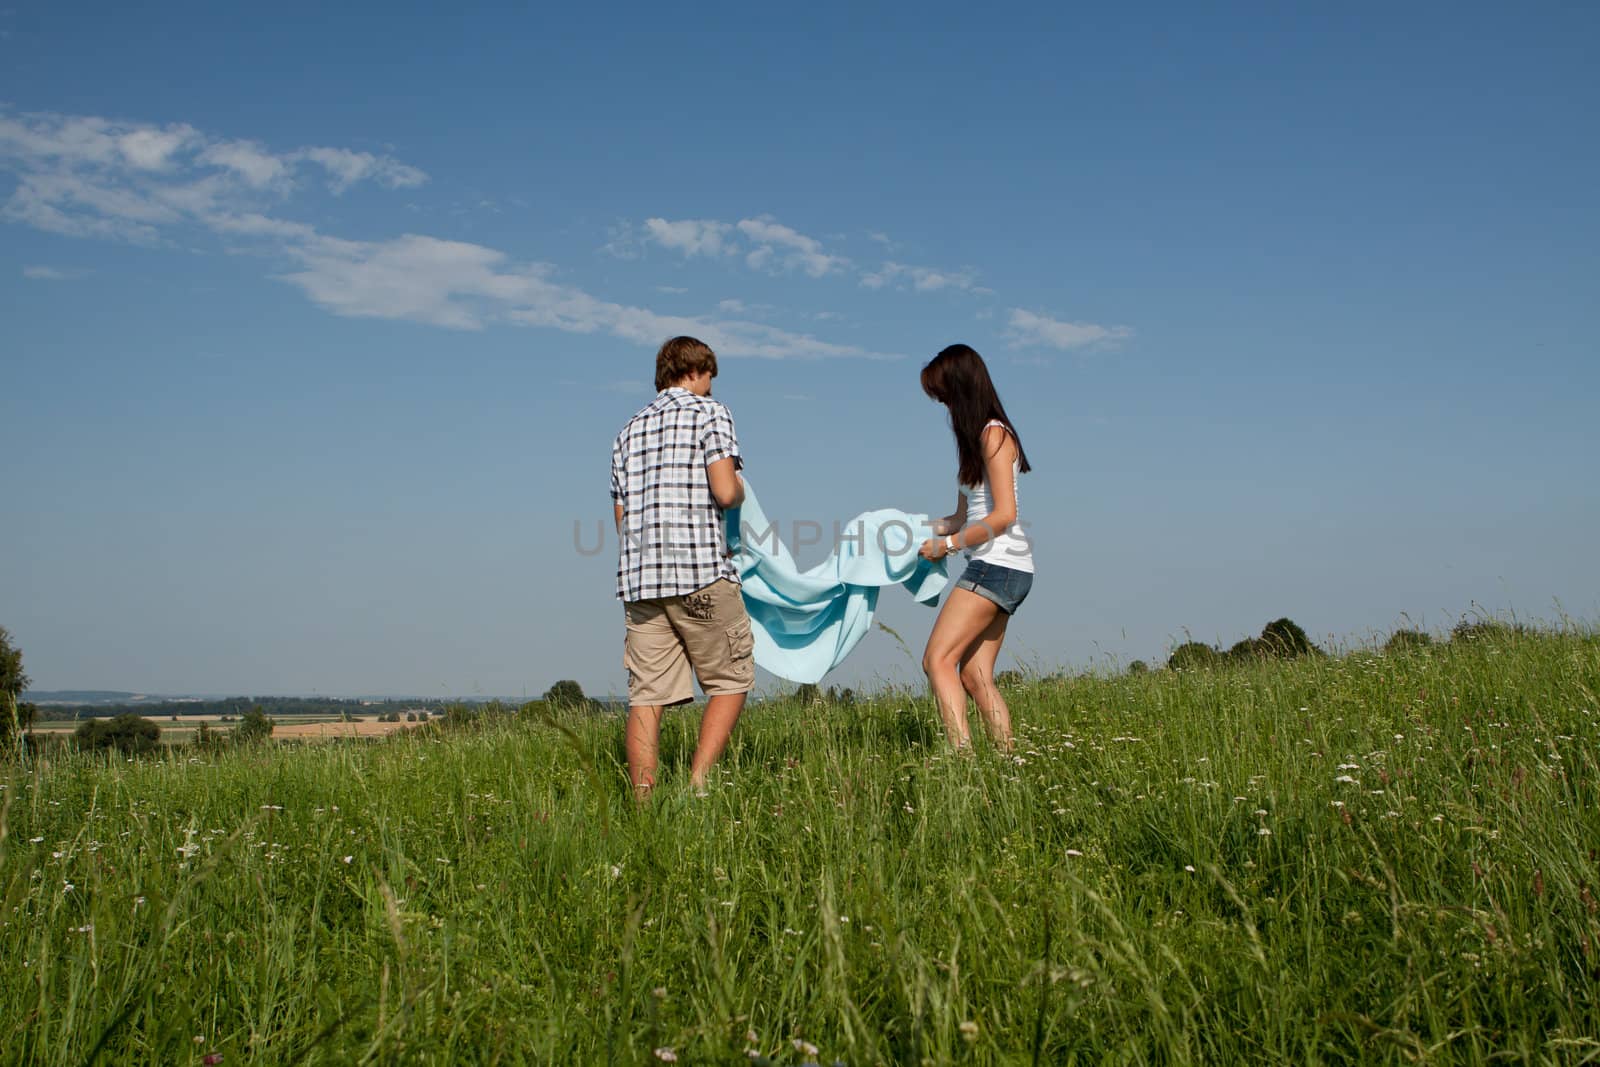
(317, 324)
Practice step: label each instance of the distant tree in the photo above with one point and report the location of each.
(207, 738)
(1244, 651)
(1138, 666)
(1286, 640)
(411, 716)
(1483, 628)
(1192, 656)
(459, 715)
(808, 694)
(15, 716)
(422, 716)
(566, 694)
(130, 734)
(1406, 641)
(253, 726)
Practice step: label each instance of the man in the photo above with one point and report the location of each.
(674, 471)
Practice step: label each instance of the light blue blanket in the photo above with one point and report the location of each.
(806, 622)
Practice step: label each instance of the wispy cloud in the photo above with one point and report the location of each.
(345, 168)
(776, 243)
(763, 243)
(469, 286)
(98, 178)
(1031, 328)
(53, 274)
(692, 237)
(922, 279)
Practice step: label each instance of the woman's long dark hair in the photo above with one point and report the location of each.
(958, 379)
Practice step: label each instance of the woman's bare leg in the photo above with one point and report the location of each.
(977, 678)
(963, 619)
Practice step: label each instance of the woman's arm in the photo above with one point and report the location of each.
(952, 522)
(1001, 451)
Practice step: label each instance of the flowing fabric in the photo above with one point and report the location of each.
(806, 622)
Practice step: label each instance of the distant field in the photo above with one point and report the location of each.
(1362, 859)
(289, 727)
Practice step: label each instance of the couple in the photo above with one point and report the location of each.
(675, 470)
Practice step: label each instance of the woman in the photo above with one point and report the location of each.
(967, 635)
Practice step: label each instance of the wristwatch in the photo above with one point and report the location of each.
(950, 545)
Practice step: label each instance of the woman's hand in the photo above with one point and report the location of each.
(933, 548)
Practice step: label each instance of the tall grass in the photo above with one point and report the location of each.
(1360, 859)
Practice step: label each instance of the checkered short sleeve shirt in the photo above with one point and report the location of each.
(673, 541)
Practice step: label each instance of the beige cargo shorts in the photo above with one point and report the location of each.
(708, 630)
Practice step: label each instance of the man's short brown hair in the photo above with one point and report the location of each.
(681, 357)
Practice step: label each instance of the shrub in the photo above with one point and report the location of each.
(1191, 656)
(566, 694)
(253, 726)
(1406, 641)
(1138, 666)
(1286, 640)
(1485, 629)
(458, 716)
(1251, 648)
(130, 734)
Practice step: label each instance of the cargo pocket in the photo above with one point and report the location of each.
(741, 646)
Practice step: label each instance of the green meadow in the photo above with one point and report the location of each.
(1355, 859)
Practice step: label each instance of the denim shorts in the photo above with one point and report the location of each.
(1006, 586)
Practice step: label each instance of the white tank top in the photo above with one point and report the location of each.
(1011, 548)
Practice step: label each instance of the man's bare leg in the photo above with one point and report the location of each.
(715, 726)
(642, 738)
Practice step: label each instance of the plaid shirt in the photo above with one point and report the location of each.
(673, 541)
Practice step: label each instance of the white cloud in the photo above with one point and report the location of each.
(798, 251)
(676, 290)
(692, 237)
(53, 274)
(467, 286)
(731, 307)
(622, 241)
(87, 176)
(148, 148)
(1027, 327)
(345, 168)
(765, 243)
(258, 167)
(922, 279)
(92, 177)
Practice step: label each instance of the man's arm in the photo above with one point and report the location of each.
(727, 488)
(618, 508)
(723, 461)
